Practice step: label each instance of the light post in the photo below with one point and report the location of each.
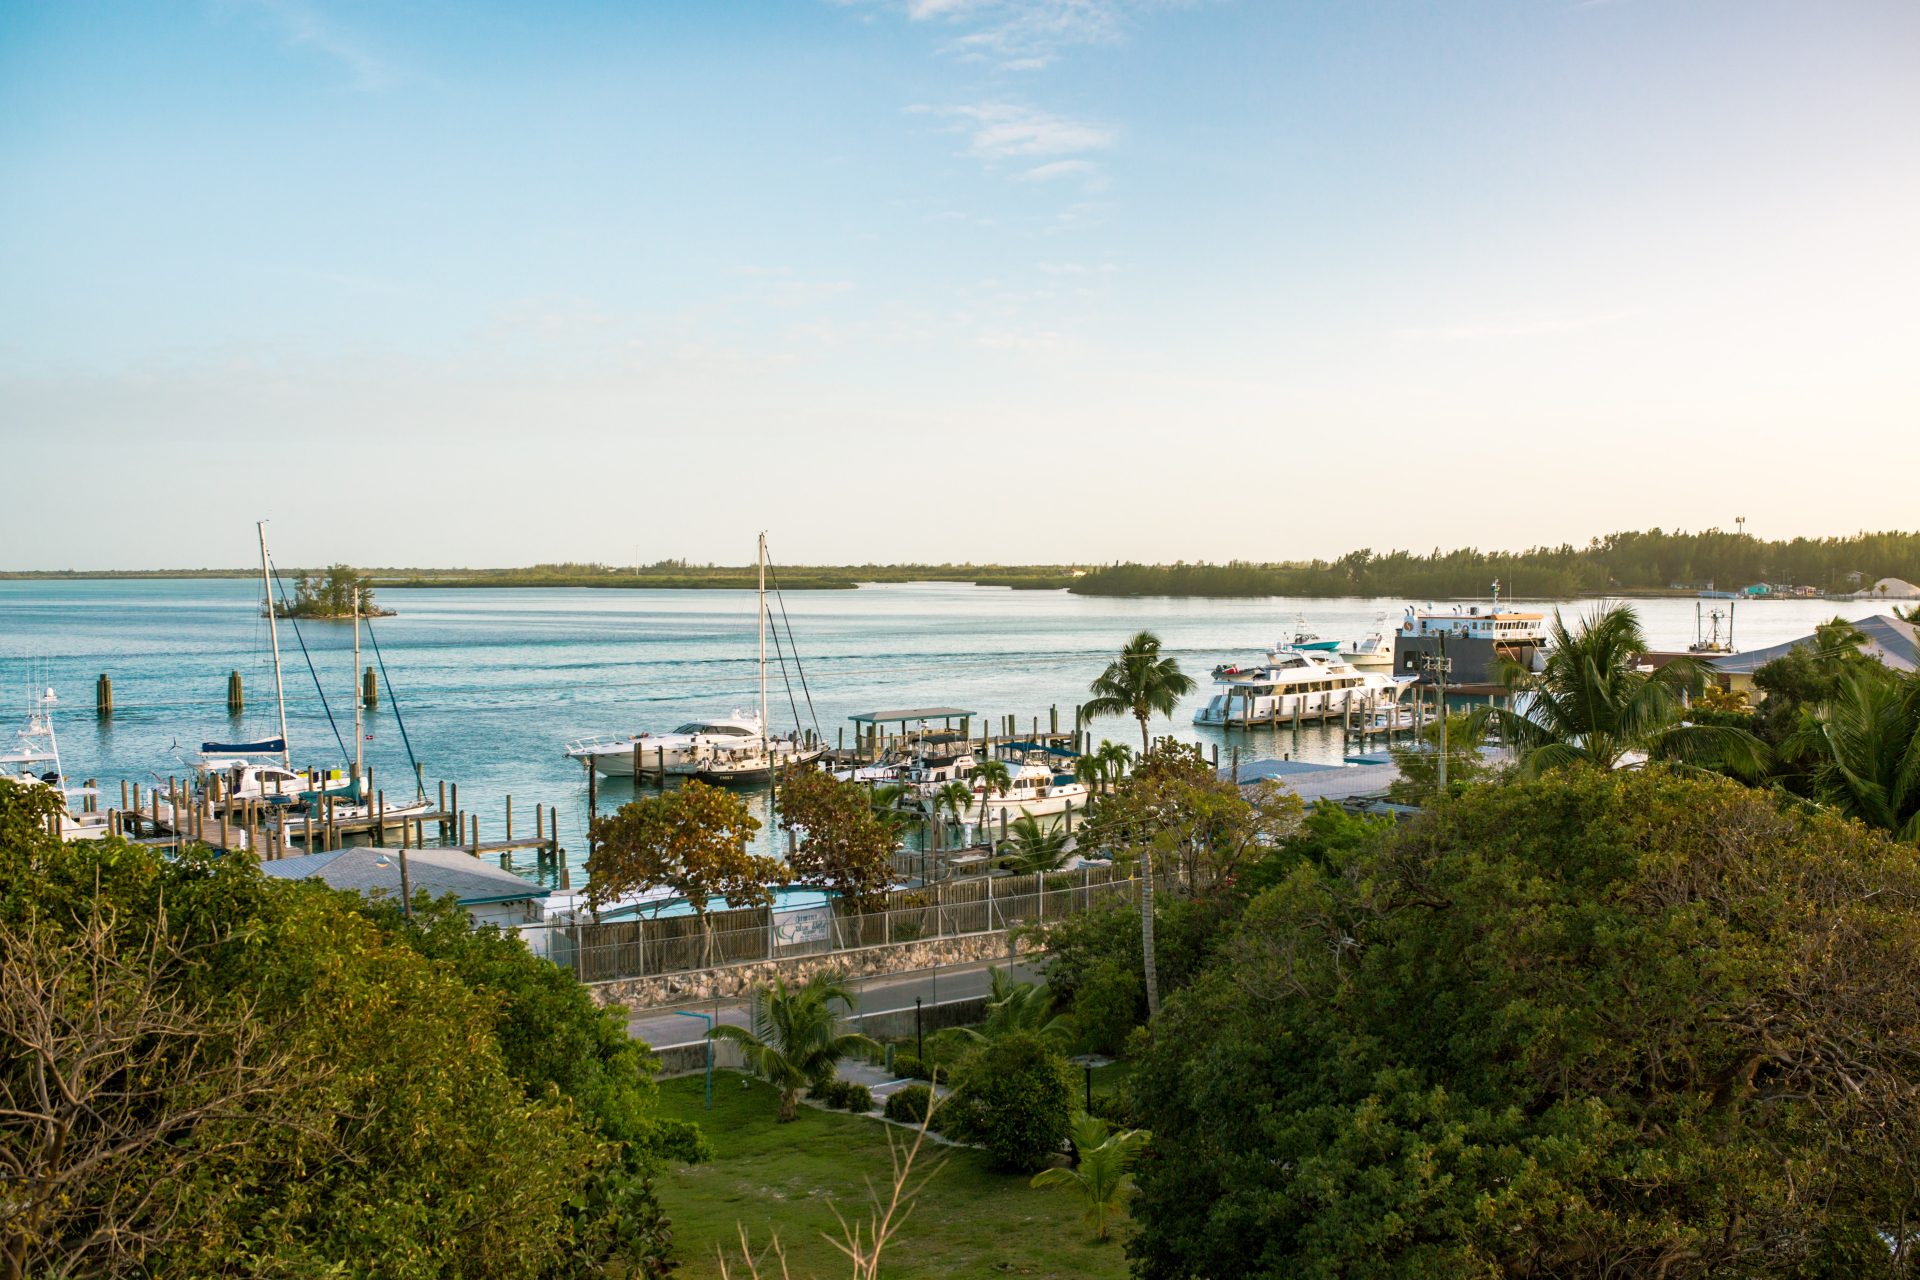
(1088, 1061)
(708, 1019)
(919, 1044)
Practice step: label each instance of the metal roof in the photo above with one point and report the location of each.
(911, 714)
(1890, 640)
(1328, 782)
(469, 879)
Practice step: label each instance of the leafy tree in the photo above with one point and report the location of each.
(255, 1077)
(1419, 780)
(1104, 766)
(1015, 1098)
(1797, 684)
(1633, 1023)
(692, 840)
(1035, 846)
(795, 1040)
(1864, 750)
(955, 798)
(330, 596)
(1141, 683)
(1013, 1008)
(844, 844)
(1593, 705)
(1100, 1176)
(1176, 812)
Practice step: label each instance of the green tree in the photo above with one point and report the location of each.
(1100, 1177)
(1103, 766)
(1630, 1022)
(843, 842)
(1141, 683)
(1593, 705)
(992, 776)
(955, 798)
(795, 1040)
(692, 840)
(1013, 1008)
(1864, 750)
(1014, 1096)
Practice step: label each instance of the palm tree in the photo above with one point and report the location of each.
(1140, 683)
(1100, 1174)
(992, 776)
(795, 1040)
(1035, 847)
(1592, 704)
(954, 797)
(1012, 1007)
(888, 801)
(1865, 748)
(1116, 758)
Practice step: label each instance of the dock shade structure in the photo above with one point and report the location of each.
(490, 895)
(914, 715)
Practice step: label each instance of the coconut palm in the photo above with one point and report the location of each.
(1864, 747)
(795, 1040)
(1140, 683)
(889, 807)
(955, 798)
(1100, 1174)
(992, 775)
(1592, 704)
(1035, 846)
(1116, 758)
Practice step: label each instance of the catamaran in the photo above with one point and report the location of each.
(724, 749)
(1291, 683)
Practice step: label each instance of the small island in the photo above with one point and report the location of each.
(331, 595)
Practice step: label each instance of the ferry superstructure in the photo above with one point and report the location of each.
(1476, 640)
(1291, 683)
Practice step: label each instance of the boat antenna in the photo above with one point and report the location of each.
(419, 784)
(359, 732)
(273, 630)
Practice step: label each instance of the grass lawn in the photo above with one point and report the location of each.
(769, 1177)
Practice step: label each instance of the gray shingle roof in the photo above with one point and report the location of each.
(438, 871)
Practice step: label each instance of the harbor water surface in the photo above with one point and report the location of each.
(493, 683)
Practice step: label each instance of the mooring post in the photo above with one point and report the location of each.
(369, 690)
(236, 695)
(509, 817)
(103, 696)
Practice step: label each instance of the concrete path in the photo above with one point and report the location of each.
(888, 993)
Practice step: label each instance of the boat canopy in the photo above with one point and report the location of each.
(1043, 747)
(910, 714)
(265, 747)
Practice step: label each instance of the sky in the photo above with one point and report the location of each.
(949, 280)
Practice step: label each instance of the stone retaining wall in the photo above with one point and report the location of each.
(696, 985)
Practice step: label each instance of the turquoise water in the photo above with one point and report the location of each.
(494, 683)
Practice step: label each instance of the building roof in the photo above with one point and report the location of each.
(1323, 782)
(910, 714)
(376, 872)
(1890, 640)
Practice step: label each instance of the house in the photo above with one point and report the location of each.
(490, 895)
(1891, 641)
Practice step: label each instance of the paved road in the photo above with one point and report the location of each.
(871, 995)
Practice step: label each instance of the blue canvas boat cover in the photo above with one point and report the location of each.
(266, 747)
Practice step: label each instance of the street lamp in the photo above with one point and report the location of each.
(708, 1019)
(1088, 1061)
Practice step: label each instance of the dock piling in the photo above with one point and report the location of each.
(103, 696)
(369, 690)
(236, 694)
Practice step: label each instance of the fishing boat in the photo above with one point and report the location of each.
(1372, 653)
(1707, 641)
(1290, 684)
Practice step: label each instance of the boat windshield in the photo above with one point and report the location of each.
(719, 730)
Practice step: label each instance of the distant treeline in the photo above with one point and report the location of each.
(1650, 561)
(661, 575)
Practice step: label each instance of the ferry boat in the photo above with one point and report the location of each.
(1290, 683)
(1476, 640)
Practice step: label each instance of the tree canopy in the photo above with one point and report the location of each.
(1634, 1023)
(841, 841)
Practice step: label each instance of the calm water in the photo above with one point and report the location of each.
(494, 683)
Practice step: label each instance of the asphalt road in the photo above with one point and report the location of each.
(883, 994)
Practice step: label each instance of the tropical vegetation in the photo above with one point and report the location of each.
(329, 595)
(845, 836)
(1101, 1177)
(796, 1038)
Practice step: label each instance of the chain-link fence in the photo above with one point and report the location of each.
(597, 952)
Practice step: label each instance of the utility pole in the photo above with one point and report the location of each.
(1439, 665)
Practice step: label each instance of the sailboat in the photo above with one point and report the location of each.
(723, 749)
(247, 771)
(34, 761)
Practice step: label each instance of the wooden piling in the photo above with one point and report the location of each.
(476, 835)
(236, 694)
(369, 690)
(509, 817)
(103, 696)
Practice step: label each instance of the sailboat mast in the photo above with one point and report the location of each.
(359, 736)
(273, 632)
(763, 644)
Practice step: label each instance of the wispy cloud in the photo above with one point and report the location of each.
(303, 26)
(1009, 131)
(1060, 169)
(1023, 35)
(1529, 325)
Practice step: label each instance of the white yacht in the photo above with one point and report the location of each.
(1036, 789)
(1373, 653)
(1290, 683)
(34, 761)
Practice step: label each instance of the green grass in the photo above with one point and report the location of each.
(774, 1178)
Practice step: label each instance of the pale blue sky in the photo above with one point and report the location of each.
(439, 283)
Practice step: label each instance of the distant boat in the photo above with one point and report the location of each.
(1310, 684)
(34, 761)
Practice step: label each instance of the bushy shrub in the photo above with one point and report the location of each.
(909, 1105)
(912, 1068)
(1115, 1108)
(846, 1095)
(1016, 1099)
